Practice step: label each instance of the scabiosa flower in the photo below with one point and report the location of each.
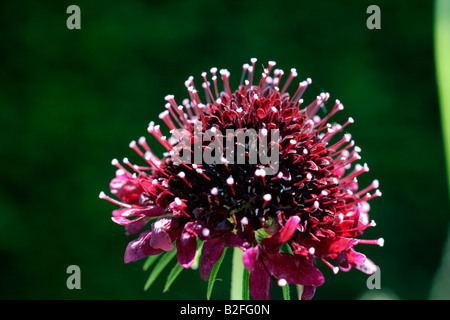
(302, 207)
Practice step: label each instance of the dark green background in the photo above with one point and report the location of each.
(71, 100)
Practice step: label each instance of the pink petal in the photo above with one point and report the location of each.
(367, 267)
(250, 257)
(152, 211)
(124, 221)
(289, 228)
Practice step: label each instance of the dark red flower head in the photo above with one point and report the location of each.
(254, 169)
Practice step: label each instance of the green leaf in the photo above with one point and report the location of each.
(162, 263)
(149, 262)
(286, 293)
(176, 270)
(237, 273)
(212, 277)
(245, 285)
(260, 235)
(197, 255)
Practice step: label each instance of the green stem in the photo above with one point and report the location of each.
(441, 281)
(286, 293)
(237, 274)
(245, 285)
(442, 51)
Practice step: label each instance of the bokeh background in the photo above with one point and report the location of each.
(72, 100)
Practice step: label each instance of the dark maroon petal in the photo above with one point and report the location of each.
(140, 248)
(186, 249)
(259, 282)
(135, 227)
(232, 240)
(211, 252)
(308, 292)
(293, 268)
(160, 237)
(213, 249)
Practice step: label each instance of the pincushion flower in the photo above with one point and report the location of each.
(296, 208)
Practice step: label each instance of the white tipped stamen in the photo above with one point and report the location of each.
(375, 184)
(282, 282)
(230, 182)
(316, 204)
(264, 132)
(205, 232)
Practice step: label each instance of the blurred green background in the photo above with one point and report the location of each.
(71, 100)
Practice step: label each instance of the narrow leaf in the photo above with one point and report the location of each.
(286, 293)
(212, 277)
(237, 273)
(162, 263)
(176, 270)
(245, 285)
(197, 255)
(149, 262)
